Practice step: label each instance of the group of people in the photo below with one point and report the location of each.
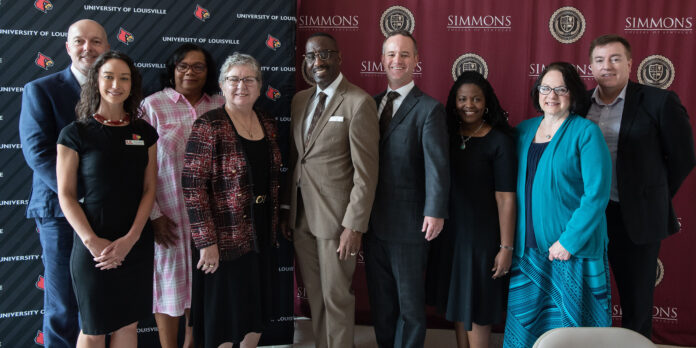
(177, 200)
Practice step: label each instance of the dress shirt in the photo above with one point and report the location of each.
(79, 76)
(329, 91)
(403, 92)
(608, 118)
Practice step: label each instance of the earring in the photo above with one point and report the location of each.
(485, 111)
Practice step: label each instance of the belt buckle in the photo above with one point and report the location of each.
(260, 199)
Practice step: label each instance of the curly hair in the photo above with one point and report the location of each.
(90, 97)
(495, 116)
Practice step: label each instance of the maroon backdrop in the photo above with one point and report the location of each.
(511, 41)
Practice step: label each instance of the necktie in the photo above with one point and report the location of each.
(386, 115)
(315, 116)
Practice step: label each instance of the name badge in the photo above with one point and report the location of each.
(336, 119)
(135, 142)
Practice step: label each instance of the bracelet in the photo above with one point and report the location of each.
(506, 247)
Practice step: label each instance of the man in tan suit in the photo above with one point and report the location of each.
(333, 175)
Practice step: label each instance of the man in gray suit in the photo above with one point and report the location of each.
(411, 199)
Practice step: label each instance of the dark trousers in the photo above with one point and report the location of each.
(60, 322)
(634, 267)
(396, 286)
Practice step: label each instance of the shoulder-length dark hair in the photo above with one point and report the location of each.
(494, 116)
(572, 80)
(167, 78)
(90, 98)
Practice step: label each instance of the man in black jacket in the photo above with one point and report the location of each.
(649, 136)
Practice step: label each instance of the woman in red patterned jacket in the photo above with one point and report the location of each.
(230, 183)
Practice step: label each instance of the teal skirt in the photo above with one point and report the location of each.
(545, 295)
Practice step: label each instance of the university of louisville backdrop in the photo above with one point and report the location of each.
(32, 45)
(510, 41)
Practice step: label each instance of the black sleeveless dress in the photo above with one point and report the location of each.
(111, 170)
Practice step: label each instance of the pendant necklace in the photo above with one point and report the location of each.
(465, 140)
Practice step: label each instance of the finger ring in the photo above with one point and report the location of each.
(205, 266)
(353, 254)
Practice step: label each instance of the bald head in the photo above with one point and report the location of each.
(86, 41)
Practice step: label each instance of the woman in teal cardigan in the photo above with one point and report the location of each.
(559, 273)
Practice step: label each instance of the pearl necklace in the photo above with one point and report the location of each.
(466, 140)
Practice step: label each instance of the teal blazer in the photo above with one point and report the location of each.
(571, 188)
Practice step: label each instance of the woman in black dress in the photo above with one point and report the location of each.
(108, 157)
(482, 212)
(230, 184)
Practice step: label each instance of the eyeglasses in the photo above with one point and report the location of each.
(197, 68)
(310, 57)
(247, 81)
(560, 91)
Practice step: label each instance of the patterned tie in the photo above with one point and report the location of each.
(386, 115)
(315, 116)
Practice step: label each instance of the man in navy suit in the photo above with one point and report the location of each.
(411, 199)
(652, 149)
(48, 105)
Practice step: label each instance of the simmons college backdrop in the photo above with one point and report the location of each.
(510, 42)
(32, 45)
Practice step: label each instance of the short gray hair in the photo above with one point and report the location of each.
(240, 59)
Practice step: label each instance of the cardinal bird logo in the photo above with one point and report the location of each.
(272, 42)
(39, 338)
(201, 13)
(43, 61)
(40, 282)
(43, 5)
(125, 36)
(272, 93)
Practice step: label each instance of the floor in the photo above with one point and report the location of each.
(365, 337)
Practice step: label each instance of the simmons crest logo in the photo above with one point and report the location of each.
(125, 36)
(39, 339)
(201, 13)
(567, 24)
(660, 272)
(397, 18)
(469, 62)
(43, 61)
(656, 70)
(40, 283)
(272, 93)
(43, 5)
(272, 42)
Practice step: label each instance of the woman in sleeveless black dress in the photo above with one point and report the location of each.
(108, 157)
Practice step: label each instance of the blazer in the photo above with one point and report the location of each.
(414, 175)
(655, 154)
(571, 188)
(217, 185)
(48, 105)
(337, 171)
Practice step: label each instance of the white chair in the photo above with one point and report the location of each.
(592, 337)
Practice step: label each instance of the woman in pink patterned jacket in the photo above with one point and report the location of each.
(189, 90)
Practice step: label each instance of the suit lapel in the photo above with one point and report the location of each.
(298, 129)
(409, 103)
(69, 81)
(629, 111)
(330, 109)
